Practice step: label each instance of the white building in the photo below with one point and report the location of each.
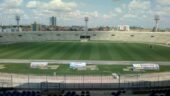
(123, 28)
(12, 29)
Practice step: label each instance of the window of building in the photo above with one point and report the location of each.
(20, 35)
(113, 34)
(58, 34)
(39, 34)
(152, 36)
(132, 35)
(1, 36)
(76, 34)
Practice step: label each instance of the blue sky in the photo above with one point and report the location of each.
(100, 12)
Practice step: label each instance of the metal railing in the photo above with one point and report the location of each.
(84, 82)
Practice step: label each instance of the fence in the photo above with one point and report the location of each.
(83, 82)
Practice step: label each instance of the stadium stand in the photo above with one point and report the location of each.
(127, 92)
(151, 37)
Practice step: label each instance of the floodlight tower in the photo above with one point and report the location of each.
(17, 19)
(86, 19)
(1, 26)
(157, 19)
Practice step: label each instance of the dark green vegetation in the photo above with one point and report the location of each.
(85, 51)
(65, 70)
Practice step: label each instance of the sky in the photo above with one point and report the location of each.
(100, 12)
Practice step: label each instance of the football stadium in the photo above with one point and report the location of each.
(108, 56)
(41, 59)
(70, 47)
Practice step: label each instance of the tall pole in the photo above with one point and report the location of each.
(156, 27)
(17, 25)
(1, 24)
(157, 18)
(17, 19)
(86, 27)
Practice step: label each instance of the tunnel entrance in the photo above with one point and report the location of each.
(85, 37)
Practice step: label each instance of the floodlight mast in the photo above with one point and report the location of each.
(1, 24)
(17, 19)
(86, 21)
(157, 19)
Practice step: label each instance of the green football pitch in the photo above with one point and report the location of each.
(85, 51)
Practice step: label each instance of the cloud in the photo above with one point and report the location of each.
(58, 8)
(11, 7)
(54, 5)
(135, 9)
(107, 16)
(11, 4)
(82, 14)
(139, 4)
(162, 8)
(31, 4)
(130, 16)
(118, 10)
(163, 2)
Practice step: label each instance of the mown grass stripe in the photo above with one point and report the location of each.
(94, 55)
(39, 52)
(114, 53)
(14, 51)
(65, 52)
(85, 51)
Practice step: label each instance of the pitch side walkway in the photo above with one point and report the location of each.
(87, 61)
(81, 82)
